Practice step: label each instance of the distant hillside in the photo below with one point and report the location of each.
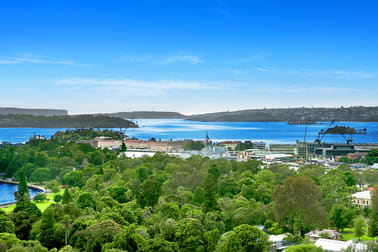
(79, 121)
(350, 114)
(38, 112)
(148, 115)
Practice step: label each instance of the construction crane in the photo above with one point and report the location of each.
(346, 132)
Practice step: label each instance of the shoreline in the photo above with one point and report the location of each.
(40, 188)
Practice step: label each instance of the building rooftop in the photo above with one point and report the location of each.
(362, 195)
(333, 245)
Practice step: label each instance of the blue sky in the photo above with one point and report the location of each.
(187, 56)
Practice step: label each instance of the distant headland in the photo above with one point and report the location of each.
(73, 121)
(54, 118)
(293, 115)
(38, 112)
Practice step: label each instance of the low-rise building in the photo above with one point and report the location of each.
(283, 148)
(362, 199)
(336, 246)
(229, 145)
(109, 144)
(162, 146)
(325, 233)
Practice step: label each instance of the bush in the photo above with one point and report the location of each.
(58, 198)
(40, 197)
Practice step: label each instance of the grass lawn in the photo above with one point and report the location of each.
(348, 234)
(41, 205)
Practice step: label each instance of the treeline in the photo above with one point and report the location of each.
(165, 203)
(147, 115)
(41, 112)
(79, 121)
(346, 114)
(86, 134)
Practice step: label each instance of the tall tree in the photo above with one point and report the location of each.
(299, 197)
(67, 198)
(210, 186)
(244, 238)
(373, 220)
(340, 216)
(359, 226)
(22, 193)
(151, 191)
(46, 236)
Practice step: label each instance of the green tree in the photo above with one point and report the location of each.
(359, 226)
(211, 239)
(244, 238)
(266, 176)
(67, 198)
(299, 198)
(340, 216)
(199, 195)
(40, 197)
(129, 239)
(194, 145)
(119, 193)
(74, 178)
(40, 175)
(210, 186)
(46, 236)
(22, 193)
(6, 225)
(85, 200)
(142, 173)
(123, 147)
(101, 233)
(188, 234)
(334, 188)
(151, 191)
(66, 222)
(159, 245)
(23, 223)
(373, 220)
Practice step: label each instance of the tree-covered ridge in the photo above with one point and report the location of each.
(165, 203)
(77, 121)
(299, 115)
(86, 134)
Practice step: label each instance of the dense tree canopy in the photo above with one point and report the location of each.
(164, 203)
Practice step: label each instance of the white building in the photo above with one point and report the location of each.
(336, 246)
(362, 199)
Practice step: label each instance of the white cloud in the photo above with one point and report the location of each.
(342, 74)
(183, 58)
(293, 89)
(34, 60)
(142, 87)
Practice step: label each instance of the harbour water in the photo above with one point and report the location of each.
(176, 129)
(7, 192)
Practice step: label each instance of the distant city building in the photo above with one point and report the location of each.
(340, 150)
(283, 148)
(230, 145)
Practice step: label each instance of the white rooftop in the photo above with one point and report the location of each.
(334, 245)
(274, 238)
(362, 195)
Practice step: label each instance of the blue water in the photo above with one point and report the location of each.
(270, 132)
(7, 192)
